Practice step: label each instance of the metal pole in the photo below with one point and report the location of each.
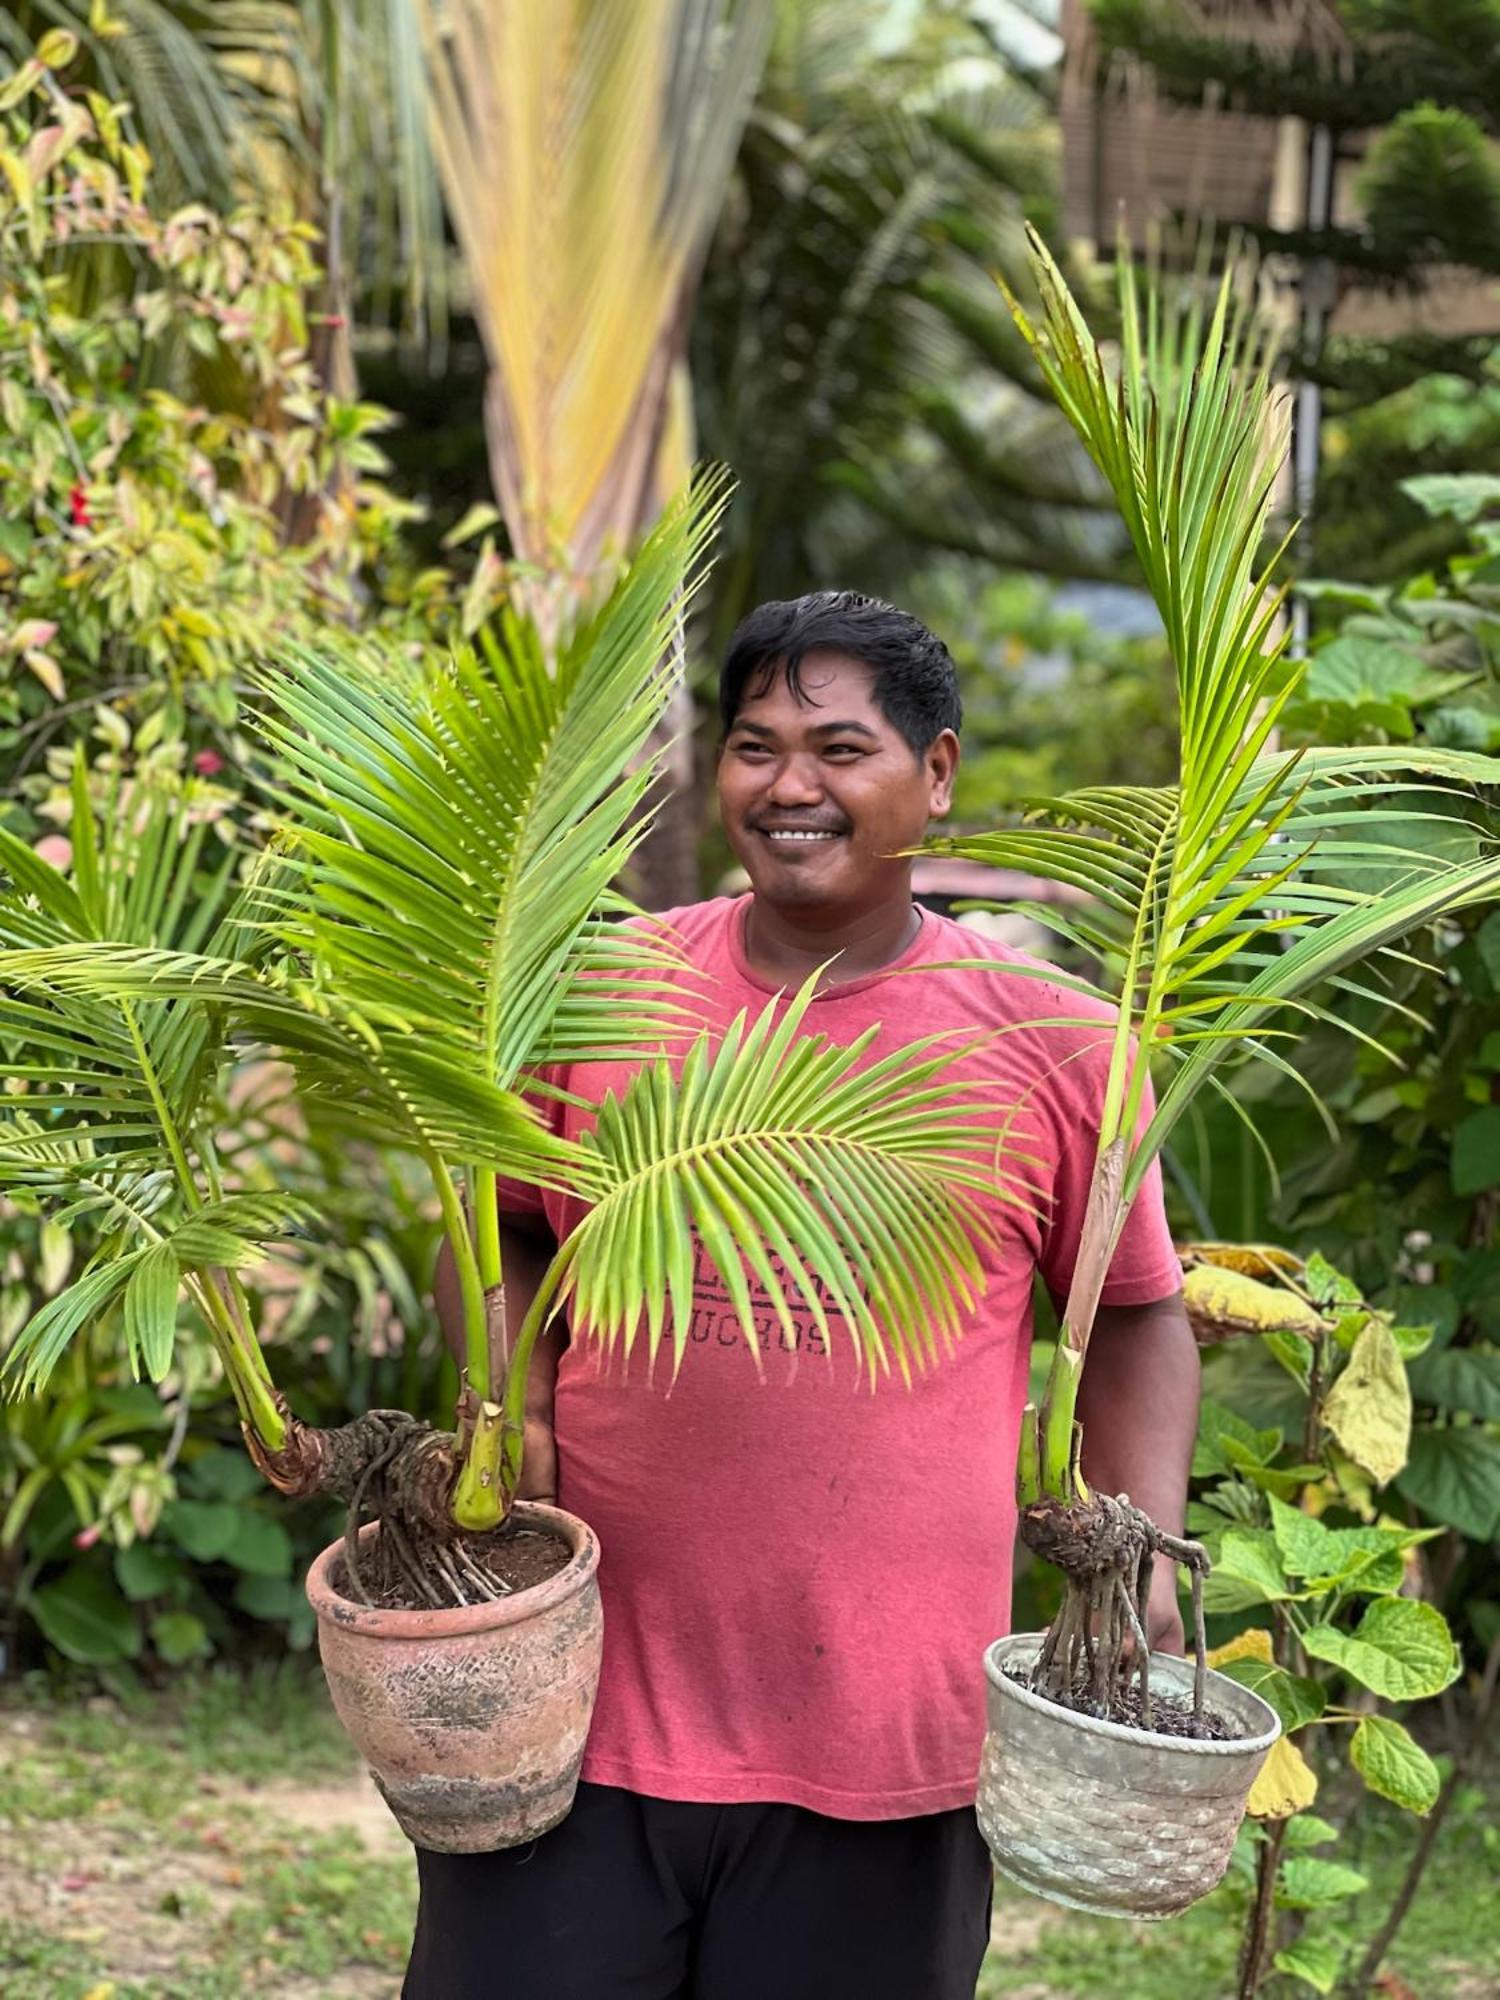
(1316, 297)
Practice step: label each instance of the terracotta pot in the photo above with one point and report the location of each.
(472, 1721)
(1105, 1818)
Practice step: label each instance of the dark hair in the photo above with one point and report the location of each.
(915, 681)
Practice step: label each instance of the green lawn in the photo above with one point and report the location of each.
(222, 1841)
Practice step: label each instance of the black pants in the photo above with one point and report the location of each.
(643, 1899)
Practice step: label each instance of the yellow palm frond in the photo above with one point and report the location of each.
(583, 150)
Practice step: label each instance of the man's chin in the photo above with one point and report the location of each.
(791, 882)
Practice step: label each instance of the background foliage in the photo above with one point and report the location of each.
(224, 422)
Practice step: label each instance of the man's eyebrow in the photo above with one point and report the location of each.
(818, 729)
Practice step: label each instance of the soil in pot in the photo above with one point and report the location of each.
(1171, 1714)
(465, 1571)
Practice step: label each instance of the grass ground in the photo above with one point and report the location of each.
(223, 1841)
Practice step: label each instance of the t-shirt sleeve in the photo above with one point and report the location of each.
(1145, 1265)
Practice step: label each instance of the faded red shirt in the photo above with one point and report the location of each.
(800, 1575)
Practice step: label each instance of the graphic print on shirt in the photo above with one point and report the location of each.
(716, 1322)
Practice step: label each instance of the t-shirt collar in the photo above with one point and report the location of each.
(916, 950)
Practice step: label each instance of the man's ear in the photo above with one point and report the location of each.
(942, 766)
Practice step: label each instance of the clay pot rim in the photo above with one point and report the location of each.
(455, 1622)
(1124, 1732)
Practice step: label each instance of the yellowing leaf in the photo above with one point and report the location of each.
(57, 48)
(33, 632)
(1286, 1783)
(1224, 1304)
(1368, 1409)
(1255, 1260)
(19, 83)
(1252, 1645)
(14, 169)
(48, 672)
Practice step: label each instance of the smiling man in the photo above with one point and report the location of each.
(800, 1576)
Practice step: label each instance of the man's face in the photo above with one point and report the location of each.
(818, 795)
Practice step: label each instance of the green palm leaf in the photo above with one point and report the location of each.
(1251, 848)
(1262, 874)
(800, 1172)
(453, 855)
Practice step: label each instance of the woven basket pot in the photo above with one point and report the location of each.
(1108, 1819)
(473, 1720)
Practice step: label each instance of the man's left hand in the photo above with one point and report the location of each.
(1163, 1616)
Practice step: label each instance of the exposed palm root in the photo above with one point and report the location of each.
(1096, 1647)
(390, 1468)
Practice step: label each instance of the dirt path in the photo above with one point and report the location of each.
(354, 1803)
(157, 1903)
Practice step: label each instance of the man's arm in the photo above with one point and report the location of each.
(1138, 1403)
(527, 1247)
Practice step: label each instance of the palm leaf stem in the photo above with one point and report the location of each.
(171, 1138)
(244, 1363)
(477, 1374)
(485, 1208)
(1127, 1074)
(513, 1397)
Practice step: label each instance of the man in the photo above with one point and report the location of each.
(799, 1576)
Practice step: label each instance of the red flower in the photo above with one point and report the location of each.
(86, 1537)
(208, 763)
(78, 507)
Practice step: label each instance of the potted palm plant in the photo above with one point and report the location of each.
(433, 923)
(1228, 905)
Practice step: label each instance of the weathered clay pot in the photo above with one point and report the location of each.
(1105, 1818)
(473, 1720)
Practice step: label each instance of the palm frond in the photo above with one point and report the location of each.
(451, 866)
(583, 151)
(1261, 874)
(855, 1189)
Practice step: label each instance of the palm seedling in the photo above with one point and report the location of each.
(1229, 904)
(432, 925)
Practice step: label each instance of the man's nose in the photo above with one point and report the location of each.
(797, 782)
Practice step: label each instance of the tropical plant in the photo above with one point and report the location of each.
(1406, 243)
(1223, 902)
(1402, 1191)
(154, 440)
(583, 154)
(434, 924)
(1294, 1504)
(318, 104)
(851, 359)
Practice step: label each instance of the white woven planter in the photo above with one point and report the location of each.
(1109, 1819)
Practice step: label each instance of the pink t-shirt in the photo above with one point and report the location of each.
(800, 1575)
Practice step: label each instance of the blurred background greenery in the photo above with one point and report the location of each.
(251, 346)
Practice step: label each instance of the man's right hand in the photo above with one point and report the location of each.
(539, 1463)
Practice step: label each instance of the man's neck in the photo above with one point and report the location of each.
(784, 951)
